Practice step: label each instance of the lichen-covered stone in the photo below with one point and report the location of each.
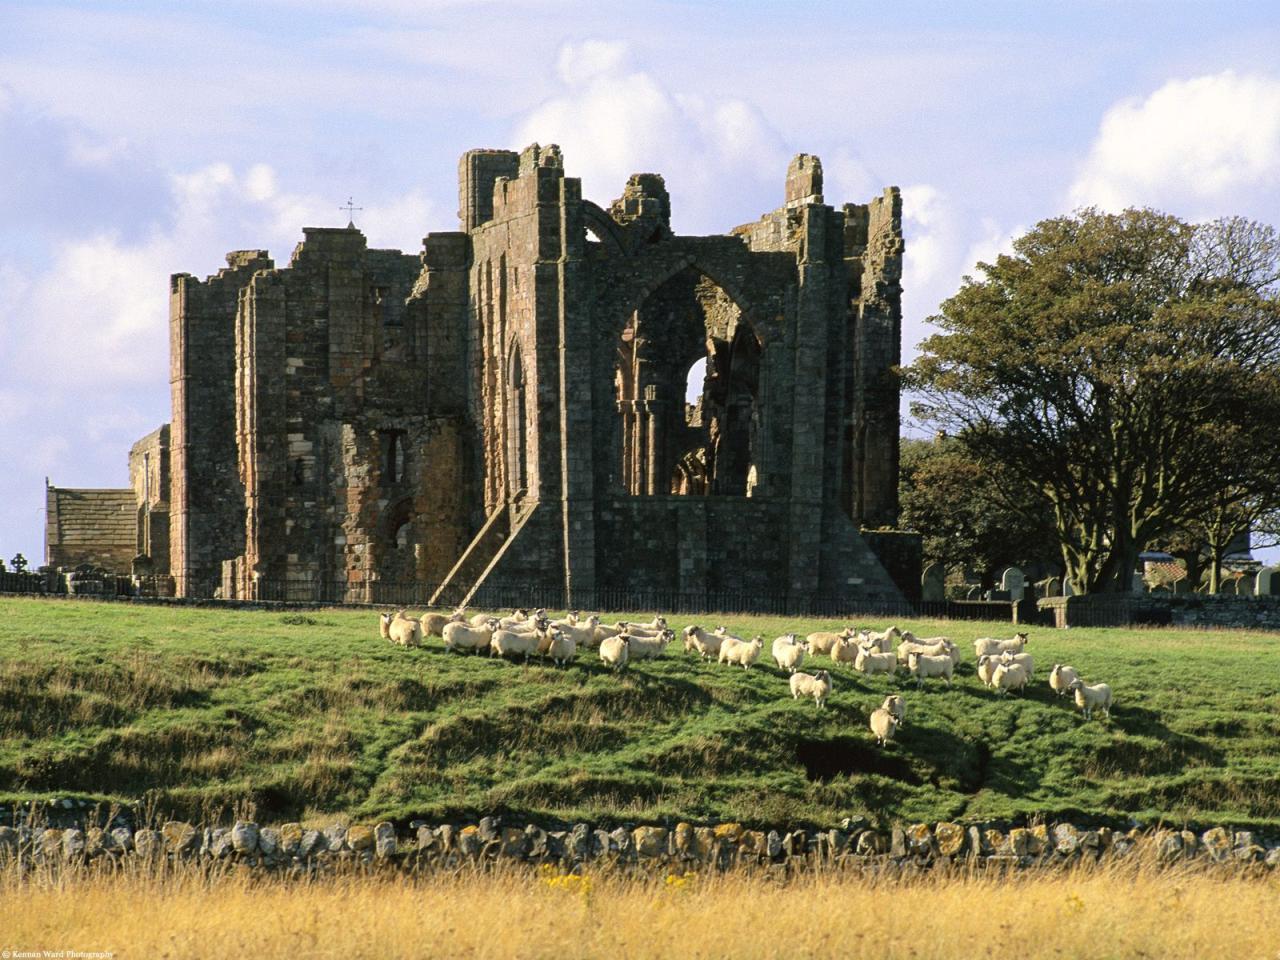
(148, 843)
(1167, 845)
(705, 842)
(650, 842)
(729, 831)
(469, 842)
(360, 837)
(123, 838)
(1066, 839)
(1217, 842)
(244, 837)
(291, 839)
(72, 844)
(950, 839)
(511, 842)
(753, 843)
(897, 843)
(773, 845)
(997, 842)
(180, 837)
(384, 840)
(919, 838)
(684, 839)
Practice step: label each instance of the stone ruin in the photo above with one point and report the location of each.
(511, 406)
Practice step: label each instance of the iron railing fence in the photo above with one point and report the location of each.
(510, 596)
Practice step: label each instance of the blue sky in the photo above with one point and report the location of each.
(141, 139)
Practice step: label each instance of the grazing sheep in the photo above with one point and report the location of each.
(604, 631)
(1028, 664)
(896, 706)
(508, 643)
(403, 630)
(1060, 678)
(883, 640)
(515, 620)
(649, 648)
(433, 623)
(615, 652)
(459, 636)
(479, 619)
(788, 652)
(563, 647)
(640, 629)
(871, 662)
(1009, 676)
(652, 627)
(707, 644)
(816, 685)
(933, 647)
(985, 645)
(1090, 698)
(822, 641)
(884, 725)
(986, 668)
(384, 626)
(921, 666)
(737, 650)
(582, 634)
(844, 650)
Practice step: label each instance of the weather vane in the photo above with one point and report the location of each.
(350, 208)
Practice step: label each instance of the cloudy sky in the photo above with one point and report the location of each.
(141, 138)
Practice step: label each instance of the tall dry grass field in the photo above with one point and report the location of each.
(1119, 911)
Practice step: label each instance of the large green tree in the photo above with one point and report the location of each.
(970, 515)
(1119, 364)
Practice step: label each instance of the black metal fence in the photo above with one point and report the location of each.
(507, 596)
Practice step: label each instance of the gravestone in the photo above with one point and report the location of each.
(1137, 585)
(1068, 589)
(1228, 586)
(933, 587)
(1182, 586)
(1053, 588)
(1244, 586)
(1013, 581)
(1267, 583)
(974, 593)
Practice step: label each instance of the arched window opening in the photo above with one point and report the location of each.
(393, 457)
(403, 535)
(518, 414)
(686, 387)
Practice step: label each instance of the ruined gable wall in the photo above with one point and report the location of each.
(95, 527)
(206, 524)
(149, 476)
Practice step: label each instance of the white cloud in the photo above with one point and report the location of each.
(612, 118)
(1191, 145)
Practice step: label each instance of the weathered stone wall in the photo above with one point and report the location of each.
(854, 844)
(94, 527)
(350, 479)
(149, 475)
(206, 498)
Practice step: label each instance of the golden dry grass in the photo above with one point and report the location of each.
(1120, 911)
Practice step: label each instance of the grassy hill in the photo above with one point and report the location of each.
(312, 716)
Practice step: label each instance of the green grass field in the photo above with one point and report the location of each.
(313, 716)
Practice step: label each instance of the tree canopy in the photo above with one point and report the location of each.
(1125, 366)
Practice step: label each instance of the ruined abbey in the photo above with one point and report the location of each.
(512, 406)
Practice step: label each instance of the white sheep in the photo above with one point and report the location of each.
(788, 652)
(582, 634)
(1009, 676)
(921, 666)
(649, 648)
(985, 645)
(433, 623)
(640, 629)
(508, 643)
(883, 640)
(706, 644)
(844, 650)
(822, 641)
(1090, 698)
(403, 630)
(933, 647)
(986, 668)
(602, 632)
(895, 705)
(737, 650)
(1028, 664)
(816, 685)
(871, 662)
(514, 620)
(563, 647)
(1060, 678)
(615, 652)
(460, 636)
(884, 725)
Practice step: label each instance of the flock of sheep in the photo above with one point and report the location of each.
(1002, 665)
